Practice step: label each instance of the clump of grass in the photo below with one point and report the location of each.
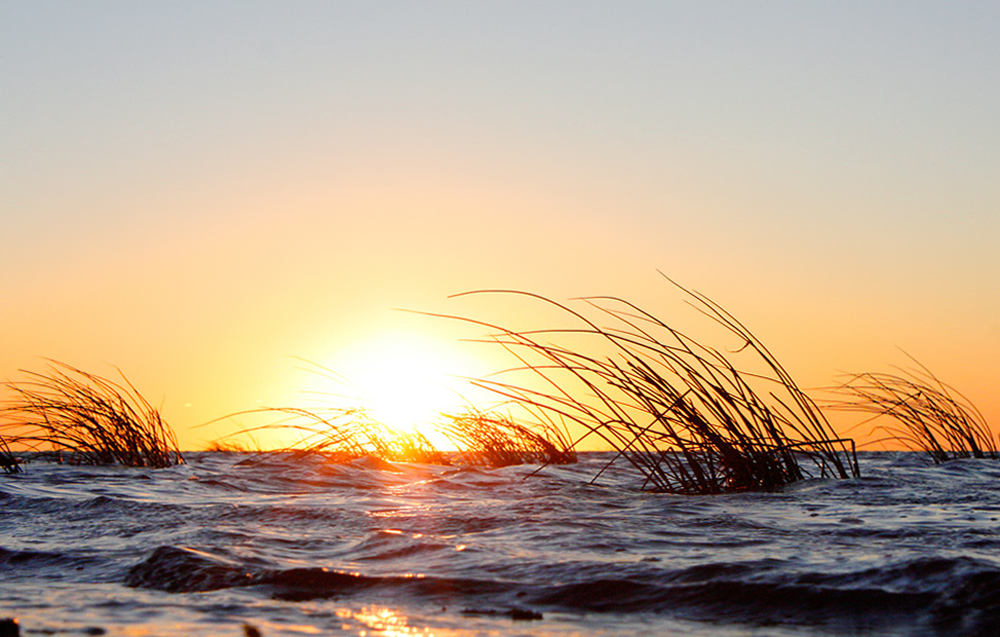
(8, 461)
(345, 434)
(362, 436)
(338, 428)
(931, 416)
(82, 418)
(223, 445)
(680, 412)
(498, 441)
(343, 431)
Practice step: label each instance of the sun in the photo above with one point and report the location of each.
(402, 380)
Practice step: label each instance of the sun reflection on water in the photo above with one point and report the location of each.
(380, 621)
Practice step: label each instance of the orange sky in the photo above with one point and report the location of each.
(200, 194)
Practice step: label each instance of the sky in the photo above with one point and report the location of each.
(217, 197)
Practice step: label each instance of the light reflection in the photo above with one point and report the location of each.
(382, 622)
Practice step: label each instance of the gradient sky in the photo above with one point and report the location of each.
(197, 192)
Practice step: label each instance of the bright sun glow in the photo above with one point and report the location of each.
(403, 381)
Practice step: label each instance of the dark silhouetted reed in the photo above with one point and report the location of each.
(82, 418)
(931, 416)
(680, 412)
(498, 441)
(224, 445)
(8, 461)
(344, 434)
(359, 436)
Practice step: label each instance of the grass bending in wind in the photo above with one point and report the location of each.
(498, 441)
(341, 434)
(680, 412)
(342, 430)
(346, 434)
(82, 418)
(8, 461)
(931, 416)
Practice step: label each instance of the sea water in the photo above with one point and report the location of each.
(299, 546)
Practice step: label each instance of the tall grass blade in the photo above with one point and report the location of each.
(498, 441)
(930, 415)
(681, 412)
(83, 418)
(8, 461)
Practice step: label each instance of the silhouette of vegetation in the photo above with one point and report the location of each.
(80, 418)
(680, 412)
(343, 434)
(347, 433)
(8, 461)
(498, 441)
(353, 434)
(224, 445)
(931, 416)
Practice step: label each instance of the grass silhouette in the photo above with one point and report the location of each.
(8, 461)
(353, 434)
(498, 441)
(679, 411)
(346, 434)
(81, 418)
(343, 431)
(232, 445)
(341, 434)
(931, 416)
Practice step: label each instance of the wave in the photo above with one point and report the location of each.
(57, 565)
(952, 596)
(956, 595)
(10, 557)
(185, 570)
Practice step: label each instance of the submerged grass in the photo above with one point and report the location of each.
(356, 435)
(498, 441)
(931, 416)
(343, 435)
(679, 411)
(343, 431)
(227, 445)
(82, 418)
(8, 461)
(346, 434)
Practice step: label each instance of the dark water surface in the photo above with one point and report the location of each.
(301, 547)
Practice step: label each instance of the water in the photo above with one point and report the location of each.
(300, 547)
